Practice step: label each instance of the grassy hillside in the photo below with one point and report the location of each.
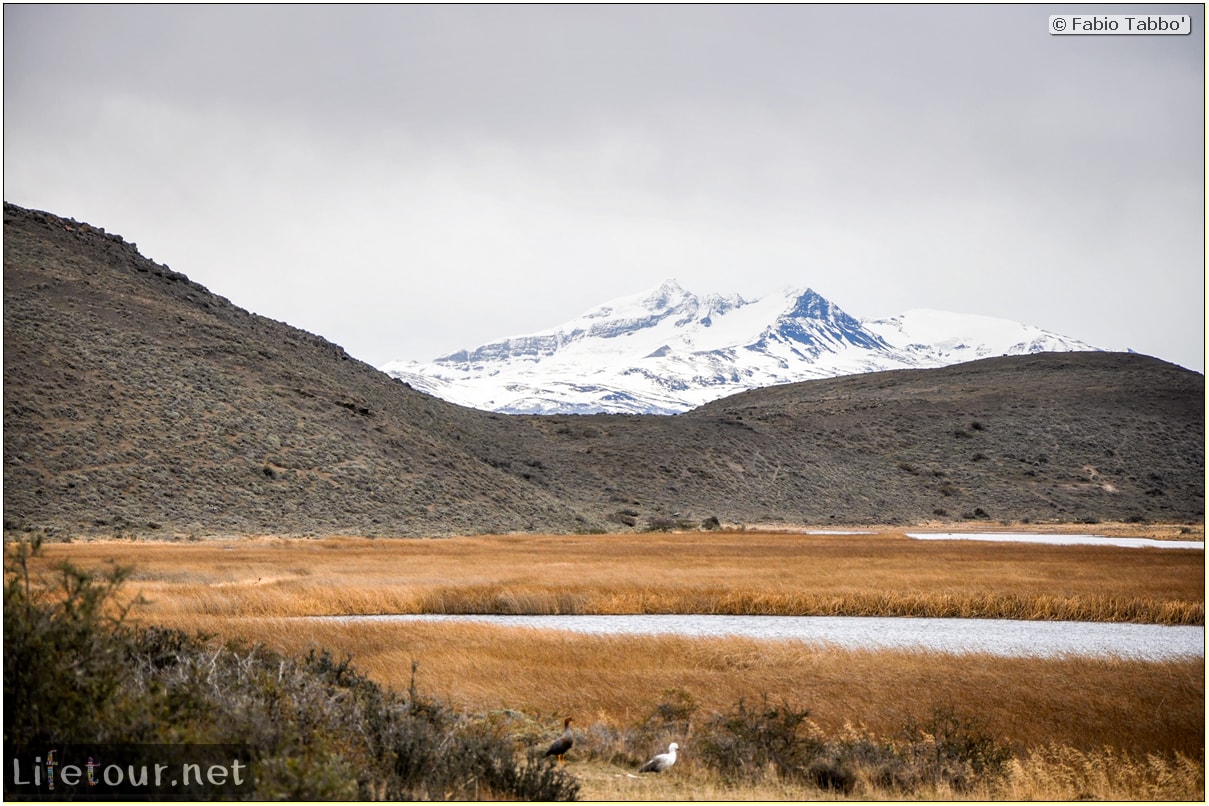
(137, 402)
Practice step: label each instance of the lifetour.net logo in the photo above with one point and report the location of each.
(127, 772)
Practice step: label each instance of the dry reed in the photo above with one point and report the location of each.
(1045, 774)
(1137, 706)
(1065, 773)
(740, 573)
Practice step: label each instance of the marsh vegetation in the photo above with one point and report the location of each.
(734, 573)
(754, 719)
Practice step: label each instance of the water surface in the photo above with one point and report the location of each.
(955, 635)
(1061, 540)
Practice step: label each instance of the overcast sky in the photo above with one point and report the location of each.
(410, 180)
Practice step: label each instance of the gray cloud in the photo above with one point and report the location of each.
(407, 180)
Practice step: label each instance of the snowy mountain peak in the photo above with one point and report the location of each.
(667, 350)
(819, 325)
(668, 295)
(812, 305)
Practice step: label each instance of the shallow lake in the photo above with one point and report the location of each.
(955, 635)
(1062, 540)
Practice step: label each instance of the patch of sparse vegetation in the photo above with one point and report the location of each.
(669, 523)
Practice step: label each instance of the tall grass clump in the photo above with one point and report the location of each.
(1057, 772)
(316, 728)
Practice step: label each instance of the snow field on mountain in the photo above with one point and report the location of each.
(668, 350)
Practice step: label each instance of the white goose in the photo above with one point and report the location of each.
(662, 761)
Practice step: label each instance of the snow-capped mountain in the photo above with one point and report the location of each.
(667, 351)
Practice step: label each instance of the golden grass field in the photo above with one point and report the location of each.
(732, 573)
(1079, 726)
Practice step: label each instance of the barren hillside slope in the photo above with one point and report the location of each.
(138, 402)
(135, 399)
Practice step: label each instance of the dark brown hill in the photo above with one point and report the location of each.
(137, 401)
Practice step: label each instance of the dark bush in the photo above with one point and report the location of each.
(746, 742)
(64, 661)
(946, 748)
(316, 728)
(831, 775)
